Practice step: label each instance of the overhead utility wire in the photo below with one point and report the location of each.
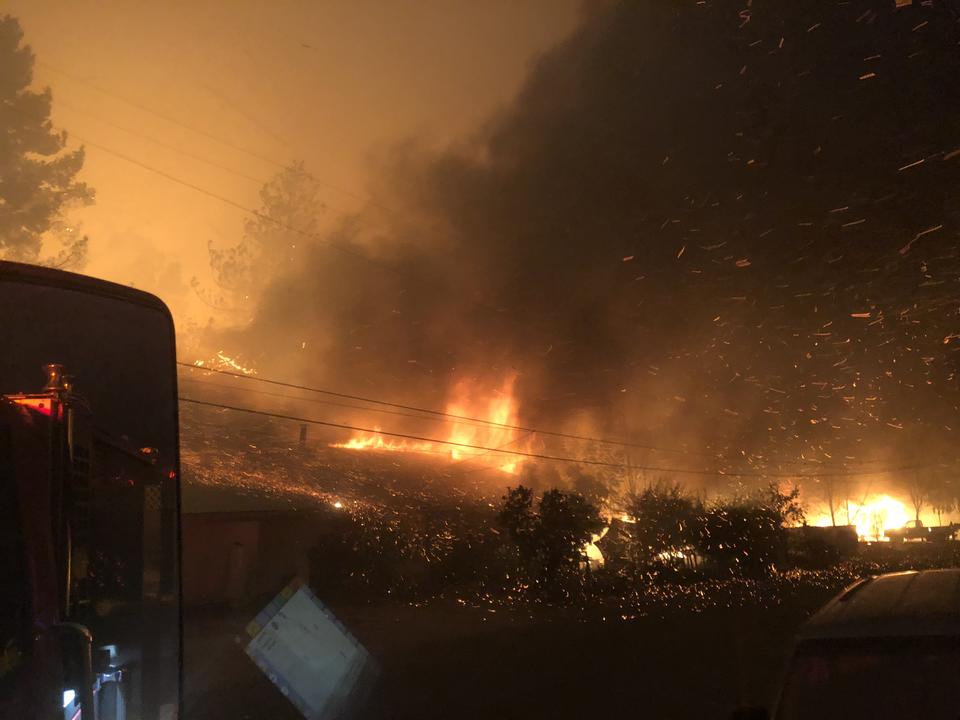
(441, 413)
(331, 403)
(200, 131)
(454, 418)
(244, 208)
(161, 143)
(550, 458)
(303, 233)
(163, 116)
(232, 203)
(260, 215)
(383, 411)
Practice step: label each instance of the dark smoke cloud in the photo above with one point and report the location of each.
(691, 226)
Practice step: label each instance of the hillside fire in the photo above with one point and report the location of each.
(483, 430)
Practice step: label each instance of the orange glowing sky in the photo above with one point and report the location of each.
(331, 83)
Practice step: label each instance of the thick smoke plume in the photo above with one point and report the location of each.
(729, 226)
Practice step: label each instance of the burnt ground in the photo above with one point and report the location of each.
(451, 662)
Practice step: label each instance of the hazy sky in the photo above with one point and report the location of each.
(327, 82)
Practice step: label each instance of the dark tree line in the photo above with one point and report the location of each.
(536, 545)
(743, 534)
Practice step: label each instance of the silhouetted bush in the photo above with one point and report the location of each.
(747, 535)
(550, 541)
(663, 520)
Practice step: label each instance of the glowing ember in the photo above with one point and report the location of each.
(222, 361)
(499, 409)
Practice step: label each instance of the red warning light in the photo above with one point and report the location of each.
(39, 404)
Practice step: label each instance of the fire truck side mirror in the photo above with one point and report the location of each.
(89, 456)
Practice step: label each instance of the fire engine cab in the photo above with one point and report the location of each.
(89, 570)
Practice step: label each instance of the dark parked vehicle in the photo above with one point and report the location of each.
(915, 530)
(888, 646)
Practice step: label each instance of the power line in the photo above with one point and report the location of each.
(260, 215)
(331, 403)
(163, 144)
(225, 200)
(161, 115)
(550, 458)
(449, 417)
(240, 206)
(454, 419)
(453, 443)
(441, 413)
(238, 109)
(231, 203)
(200, 131)
(480, 455)
(356, 407)
(312, 236)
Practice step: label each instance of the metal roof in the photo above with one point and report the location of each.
(900, 604)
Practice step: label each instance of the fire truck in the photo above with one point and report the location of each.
(89, 564)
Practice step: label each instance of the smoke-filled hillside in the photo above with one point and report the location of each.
(730, 226)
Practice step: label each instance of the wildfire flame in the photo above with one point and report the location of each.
(497, 410)
(379, 442)
(593, 553)
(873, 518)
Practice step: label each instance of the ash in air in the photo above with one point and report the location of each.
(726, 229)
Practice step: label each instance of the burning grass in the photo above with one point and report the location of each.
(481, 424)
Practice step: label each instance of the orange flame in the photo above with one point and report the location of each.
(873, 518)
(880, 514)
(497, 411)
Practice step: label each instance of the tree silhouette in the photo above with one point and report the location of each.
(943, 495)
(517, 516)
(919, 485)
(567, 523)
(38, 178)
(665, 518)
(273, 240)
(551, 541)
(833, 492)
(747, 535)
